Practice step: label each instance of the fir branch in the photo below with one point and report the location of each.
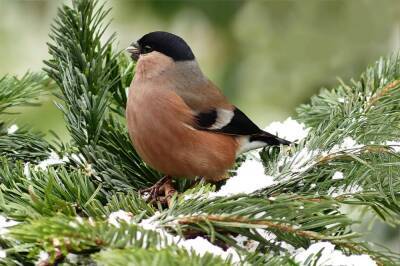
(37, 193)
(93, 80)
(243, 222)
(366, 115)
(117, 162)
(171, 256)
(371, 171)
(62, 235)
(26, 90)
(83, 67)
(381, 93)
(363, 105)
(130, 202)
(300, 207)
(24, 145)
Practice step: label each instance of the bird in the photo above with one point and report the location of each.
(180, 123)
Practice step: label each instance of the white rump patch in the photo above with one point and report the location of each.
(245, 145)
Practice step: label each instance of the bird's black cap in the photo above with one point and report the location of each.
(168, 44)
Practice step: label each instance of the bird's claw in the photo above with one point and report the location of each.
(161, 192)
(151, 192)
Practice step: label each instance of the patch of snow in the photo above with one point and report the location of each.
(395, 145)
(193, 196)
(289, 248)
(53, 159)
(3, 253)
(91, 221)
(337, 175)
(43, 258)
(77, 222)
(79, 158)
(266, 235)
(198, 245)
(196, 195)
(27, 171)
(72, 258)
(305, 159)
(249, 178)
(243, 242)
(79, 219)
(202, 246)
(347, 144)
(331, 225)
(73, 224)
(5, 223)
(115, 217)
(251, 245)
(151, 223)
(260, 215)
(330, 256)
(254, 155)
(289, 129)
(12, 129)
(342, 190)
(300, 161)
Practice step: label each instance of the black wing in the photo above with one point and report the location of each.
(235, 122)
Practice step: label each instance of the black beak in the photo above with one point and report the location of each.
(134, 50)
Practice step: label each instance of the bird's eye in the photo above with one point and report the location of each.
(147, 49)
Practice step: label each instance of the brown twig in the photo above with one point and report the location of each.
(269, 224)
(343, 155)
(381, 93)
(266, 223)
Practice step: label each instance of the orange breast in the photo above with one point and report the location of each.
(159, 126)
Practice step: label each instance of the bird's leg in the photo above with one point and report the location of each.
(159, 187)
(169, 191)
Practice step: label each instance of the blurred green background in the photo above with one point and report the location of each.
(267, 56)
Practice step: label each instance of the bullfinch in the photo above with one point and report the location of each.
(179, 122)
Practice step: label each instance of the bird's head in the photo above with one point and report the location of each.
(163, 42)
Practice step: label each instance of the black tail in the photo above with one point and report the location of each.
(268, 138)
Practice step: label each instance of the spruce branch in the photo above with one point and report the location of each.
(70, 208)
(40, 193)
(382, 93)
(24, 145)
(63, 235)
(171, 256)
(351, 115)
(93, 81)
(21, 143)
(26, 90)
(358, 105)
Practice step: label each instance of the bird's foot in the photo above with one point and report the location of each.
(161, 192)
(169, 192)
